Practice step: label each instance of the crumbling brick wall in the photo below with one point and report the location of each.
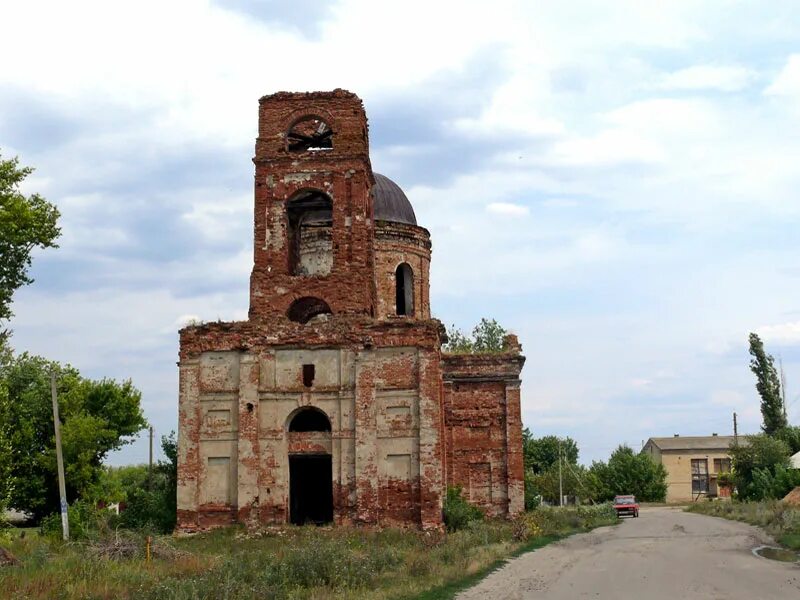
(379, 385)
(398, 420)
(483, 428)
(397, 243)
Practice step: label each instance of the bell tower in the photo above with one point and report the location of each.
(314, 226)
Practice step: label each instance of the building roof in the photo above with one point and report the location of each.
(390, 202)
(795, 460)
(700, 442)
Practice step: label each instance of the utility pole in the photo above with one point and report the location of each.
(150, 462)
(62, 487)
(735, 431)
(560, 482)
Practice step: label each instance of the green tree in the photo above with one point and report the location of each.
(629, 473)
(5, 451)
(26, 222)
(768, 385)
(487, 337)
(755, 464)
(97, 417)
(542, 453)
(457, 342)
(791, 435)
(574, 482)
(154, 505)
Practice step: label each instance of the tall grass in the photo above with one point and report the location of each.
(292, 562)
(780, 520)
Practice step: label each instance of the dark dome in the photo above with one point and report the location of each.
(390, 202)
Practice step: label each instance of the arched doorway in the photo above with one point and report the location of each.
(310, 468)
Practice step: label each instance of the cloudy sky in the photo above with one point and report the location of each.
(616, 182)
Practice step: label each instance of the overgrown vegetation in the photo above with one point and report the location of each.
(457, 512)
(291, 562)
(780, 520)
(626, 472)
(487, 337)
(97, 417)
(761, 468)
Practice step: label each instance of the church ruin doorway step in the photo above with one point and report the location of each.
(310, 489)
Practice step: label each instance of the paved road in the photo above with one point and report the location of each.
(664, 554)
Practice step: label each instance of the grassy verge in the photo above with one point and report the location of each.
(780, 520)
(293, 562)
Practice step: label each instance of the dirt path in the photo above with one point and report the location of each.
(664, 554)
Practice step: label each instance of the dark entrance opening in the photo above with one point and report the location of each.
(310, 489)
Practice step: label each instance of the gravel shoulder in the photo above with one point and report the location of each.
(664, 554)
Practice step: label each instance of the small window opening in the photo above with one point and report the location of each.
(404, 289)
(310, 134)
(308, 375)
(310, 419)
(249, 407)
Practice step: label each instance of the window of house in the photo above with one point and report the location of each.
(699, 475)
(722, 465)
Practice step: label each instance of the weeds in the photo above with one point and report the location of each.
(780, 520)
(291, 562)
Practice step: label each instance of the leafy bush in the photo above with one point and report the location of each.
(85, 522)
(759, 468)
(628, 473)
(488, 336)
(154, 506)
(532, 496)
(558, 520)
(458, 513)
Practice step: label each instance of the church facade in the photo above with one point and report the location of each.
(333, 401)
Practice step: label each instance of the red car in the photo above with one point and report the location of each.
(626, 505)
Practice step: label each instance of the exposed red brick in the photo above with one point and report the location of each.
(405, 420)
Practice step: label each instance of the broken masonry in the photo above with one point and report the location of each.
(333, 401)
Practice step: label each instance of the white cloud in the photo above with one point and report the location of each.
(787, 83)
(783, 333)
(728, 398)
(507, 208)
(674, 201)
(725, 78)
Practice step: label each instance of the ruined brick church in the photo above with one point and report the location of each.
(334, 402)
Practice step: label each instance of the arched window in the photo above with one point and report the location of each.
(404, 289)
(310, 419)
(310, 215)
(304, 309)
(310, 134)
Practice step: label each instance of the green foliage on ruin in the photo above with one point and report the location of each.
(26, 222)
(457, 512)
(487, 337)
